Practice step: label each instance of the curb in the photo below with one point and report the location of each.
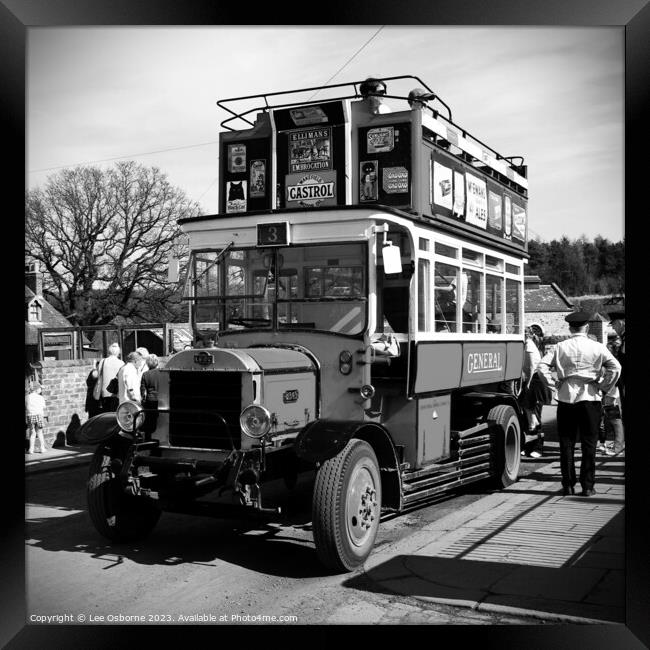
(53, 464)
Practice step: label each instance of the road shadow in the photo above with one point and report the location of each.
(282, 547)
(590, 584)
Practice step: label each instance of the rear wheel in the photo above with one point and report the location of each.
(346, 507)
(506, 444)
(117, 516)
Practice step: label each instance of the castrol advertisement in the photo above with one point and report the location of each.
(311, 190)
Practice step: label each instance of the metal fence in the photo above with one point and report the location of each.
(91, 342)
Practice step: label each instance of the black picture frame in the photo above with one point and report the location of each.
(17, 16)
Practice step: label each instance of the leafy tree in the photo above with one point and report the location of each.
(103, 238)
(580, 267)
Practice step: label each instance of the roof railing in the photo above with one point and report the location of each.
(242, 113)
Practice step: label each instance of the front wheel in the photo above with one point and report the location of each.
(506, 444)
(346, 507)
(117, 516)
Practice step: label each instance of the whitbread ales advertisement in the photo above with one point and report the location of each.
(458, 192)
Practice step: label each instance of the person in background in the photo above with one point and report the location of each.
(585, 370)
(34, 415)
(93, 405)
(618, 325)
(534, 393)
(129, 378)
(149, 392)
(370, 89)
(611, 424)
(144, 353)
(106, 372)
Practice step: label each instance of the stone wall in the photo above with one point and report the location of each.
(64, 390)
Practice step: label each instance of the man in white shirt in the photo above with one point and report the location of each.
(129, 377)
(585, 370)
(107, 370)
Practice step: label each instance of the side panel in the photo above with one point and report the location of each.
(434, 428)
(400, 418)
(444, 366)
(438, 366)
(514, 359)
(291, 397)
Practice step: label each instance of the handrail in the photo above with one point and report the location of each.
(242, 114)
(221, 103)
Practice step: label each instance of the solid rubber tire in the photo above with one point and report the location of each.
(505, 417)
(116, 515)
(329, 504)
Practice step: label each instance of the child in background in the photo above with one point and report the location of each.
(34, 414)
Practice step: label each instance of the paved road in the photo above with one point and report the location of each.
(204, 569)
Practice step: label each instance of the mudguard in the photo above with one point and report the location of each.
(98, 429)
(323, 439)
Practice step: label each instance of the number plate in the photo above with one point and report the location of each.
(273, 234)
(203, 359)
(290, 396)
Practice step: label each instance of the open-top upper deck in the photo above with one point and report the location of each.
(351, 150)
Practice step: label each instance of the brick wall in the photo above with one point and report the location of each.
(552, 323)
(64, 390)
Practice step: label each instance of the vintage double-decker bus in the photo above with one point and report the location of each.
(357, 305)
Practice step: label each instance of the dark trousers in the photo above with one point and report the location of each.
(572, 419)
(110, 404)
(151, 417)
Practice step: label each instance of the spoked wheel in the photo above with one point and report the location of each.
(506, 444)
(117, 516)
(347, 506)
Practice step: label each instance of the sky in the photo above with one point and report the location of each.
(554, 95)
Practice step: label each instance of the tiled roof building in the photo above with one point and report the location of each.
(39, 314)
(545, 306)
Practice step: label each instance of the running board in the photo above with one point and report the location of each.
(462, 469)
(409, 499)
(470, 432)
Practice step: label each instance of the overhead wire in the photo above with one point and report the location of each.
(202, 144)
(349, 60)
(134, 155)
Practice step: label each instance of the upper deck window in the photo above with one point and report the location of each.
(447, 251)
(494, 263)
(472, 257)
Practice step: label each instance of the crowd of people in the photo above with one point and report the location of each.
(113, 381)
(110, 383)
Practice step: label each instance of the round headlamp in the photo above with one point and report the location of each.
(255, 421)
(130, 416)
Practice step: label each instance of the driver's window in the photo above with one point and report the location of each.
(331, 282)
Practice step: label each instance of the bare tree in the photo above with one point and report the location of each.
(103, 238)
